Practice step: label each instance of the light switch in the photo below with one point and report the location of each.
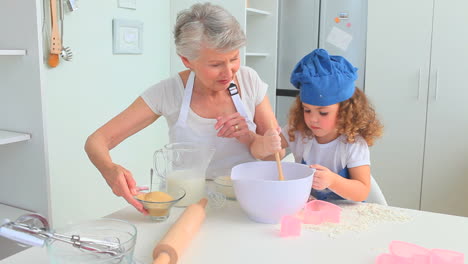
(127, 4)
(127, 36)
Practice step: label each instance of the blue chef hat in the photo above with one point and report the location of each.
(324, 79)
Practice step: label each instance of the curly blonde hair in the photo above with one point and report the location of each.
(356, 117)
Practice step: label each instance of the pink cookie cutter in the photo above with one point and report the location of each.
(317, 211)
(290, 226)
(407, 253)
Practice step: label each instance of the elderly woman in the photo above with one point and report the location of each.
(216, 102)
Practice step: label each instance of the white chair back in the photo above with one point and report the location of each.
(376, 195)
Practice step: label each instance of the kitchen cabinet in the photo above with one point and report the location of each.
(7, 137)
(10, 60)
(23, 146)
(416, 63)
(261, 28)
(15, 52)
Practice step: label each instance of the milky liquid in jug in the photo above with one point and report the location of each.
(192, 181)
(182, 165)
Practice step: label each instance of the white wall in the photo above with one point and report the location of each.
(84, 94)
(77, 97)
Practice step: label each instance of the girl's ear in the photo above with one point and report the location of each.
(186, 62)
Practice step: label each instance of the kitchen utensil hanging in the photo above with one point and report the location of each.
(55, 42)
(66, 52)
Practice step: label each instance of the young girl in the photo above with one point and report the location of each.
(330, 128)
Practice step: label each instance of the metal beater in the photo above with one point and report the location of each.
(33, 229)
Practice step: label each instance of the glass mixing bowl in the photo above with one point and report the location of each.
(104, 229)
(160, 211)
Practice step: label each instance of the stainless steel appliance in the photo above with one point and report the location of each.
(339, 26)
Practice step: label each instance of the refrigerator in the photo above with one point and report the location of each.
(339, 26)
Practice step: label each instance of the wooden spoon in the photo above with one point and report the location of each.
(278, 160)
(55, 43)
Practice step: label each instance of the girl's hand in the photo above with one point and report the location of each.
(323, 177)
(271, 141)
(122, 184)
(233, 126)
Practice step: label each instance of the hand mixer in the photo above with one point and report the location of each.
(33, 230)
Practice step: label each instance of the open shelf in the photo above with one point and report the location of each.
(7, 137)
(256, 54)
(12, 52)
(10, 212)
(254, 11)
(261, 29)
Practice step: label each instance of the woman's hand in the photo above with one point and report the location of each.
(233, 126)
(323, 177)
(122, 184)
(271, 141)
(263, 147)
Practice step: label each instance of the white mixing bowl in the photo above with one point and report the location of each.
(263, 197)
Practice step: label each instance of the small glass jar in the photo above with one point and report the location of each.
(223, 184)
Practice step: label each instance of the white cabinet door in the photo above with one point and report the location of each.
(445, 179)
(397, 68)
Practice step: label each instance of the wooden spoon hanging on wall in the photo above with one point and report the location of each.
(55, 43)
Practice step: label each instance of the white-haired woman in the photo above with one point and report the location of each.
(199, 104)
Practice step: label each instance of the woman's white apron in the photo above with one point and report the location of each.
(192, 128)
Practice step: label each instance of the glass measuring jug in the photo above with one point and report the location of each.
(182, 165)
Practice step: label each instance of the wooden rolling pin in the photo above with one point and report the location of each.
(176, 240)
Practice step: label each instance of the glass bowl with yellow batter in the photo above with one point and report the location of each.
(159, 203)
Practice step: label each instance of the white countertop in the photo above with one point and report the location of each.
(228, 236)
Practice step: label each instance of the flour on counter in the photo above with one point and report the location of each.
(358, 218)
